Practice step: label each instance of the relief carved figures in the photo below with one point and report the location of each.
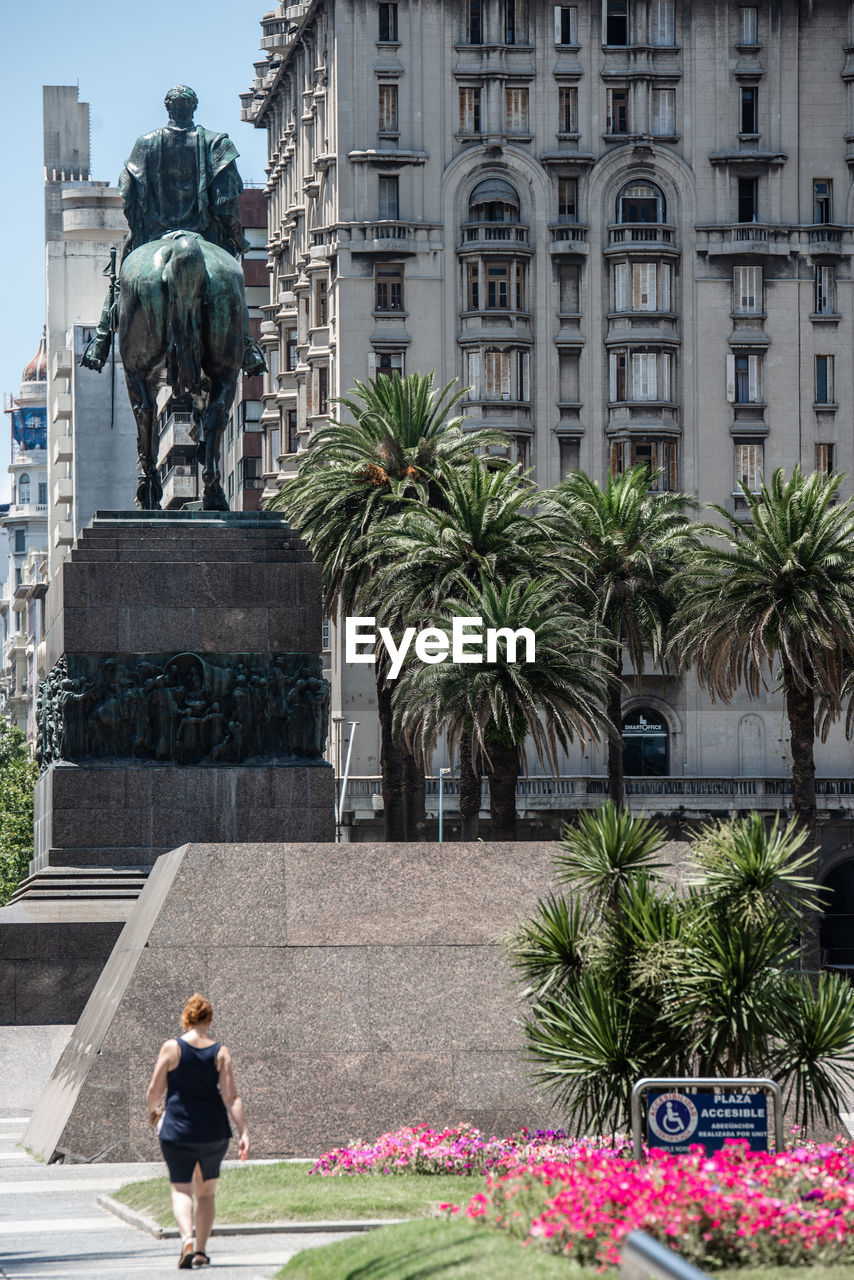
(184, 709)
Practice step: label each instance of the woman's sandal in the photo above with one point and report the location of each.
(201, 1259)
(188, 1250)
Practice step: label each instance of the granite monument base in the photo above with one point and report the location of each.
(359, 988)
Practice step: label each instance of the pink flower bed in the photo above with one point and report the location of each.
(462, 1150)
(734, 1208)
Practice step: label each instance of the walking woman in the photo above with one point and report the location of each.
(194, 1134)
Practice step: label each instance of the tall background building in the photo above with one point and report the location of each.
(625, 225)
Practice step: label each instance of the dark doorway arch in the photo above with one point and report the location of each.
(646, 743)
(837, 921)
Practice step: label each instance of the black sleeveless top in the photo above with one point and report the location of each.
(195, 1111)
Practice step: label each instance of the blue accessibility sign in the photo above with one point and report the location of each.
(677, 1121)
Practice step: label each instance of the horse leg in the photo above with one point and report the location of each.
(142, 399)
(214, 421)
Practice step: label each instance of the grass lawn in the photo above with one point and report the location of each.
(285, 1192)
(466, 1251)
(438, 1249)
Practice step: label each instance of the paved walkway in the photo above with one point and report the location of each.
(50, 1226)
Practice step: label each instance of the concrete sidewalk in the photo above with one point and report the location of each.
(50, 1225)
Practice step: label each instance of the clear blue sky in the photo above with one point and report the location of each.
(124, 56)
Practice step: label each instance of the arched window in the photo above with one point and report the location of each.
(24, 489)
(494, 200)
(645, 744)
(641, 202)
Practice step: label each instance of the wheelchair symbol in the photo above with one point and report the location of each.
(673, 1117)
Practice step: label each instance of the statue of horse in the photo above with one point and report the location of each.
(181, 320)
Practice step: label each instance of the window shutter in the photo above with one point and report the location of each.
(504, 358)
(525, 375)
(664, 393)
(557, 9)
(664, 286)
(612, 391)
(652, 380)
(474, 374)
(754, 375)
(730, 377)
(616, 469)
(621, 277)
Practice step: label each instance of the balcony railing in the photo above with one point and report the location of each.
(494, 232)
(579, 791)
(625, 233)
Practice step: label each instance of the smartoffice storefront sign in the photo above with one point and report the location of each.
(705, 1111)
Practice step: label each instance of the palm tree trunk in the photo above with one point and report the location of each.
(470, 796)
(414, 796)
(391, 764)
(614, 711)
(503, 771)
(800, 711)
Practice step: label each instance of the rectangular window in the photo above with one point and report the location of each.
(290, 348)
(822, 190)
(748, 466)
(523, 375)
(749, 26)
(42, 493)
(664, 112)
(642, 286)
(824, 379)
(747, 210)
(291, 424)
(324, 631)
(497, 285)
(824, 292)
(388, 23)
(323, 389)
(744, 378)
(20, 540)
(321, 303)
(644, 379)
(747, 291)
(566, 24)
(473, 375)
(618, 364)
(516, 110)
(569, 383)
(514, 21)
(569, 281)
(656, 455)
(617, 22)
(473, 286)
(273, 450)
(388, 282)
(824, 458)
(520, 286)
(618, 111)
(388, 363)
(474, 22)
(389, 201)
(496, 375)
(388, 108)
(249, 473)
(749, 109)
(567, 199)
(570, 456)
(470, 110)
(662, 22)
(568, 120)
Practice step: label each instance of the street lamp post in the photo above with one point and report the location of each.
(442, 773)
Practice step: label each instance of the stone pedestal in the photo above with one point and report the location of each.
(184, 702)
(359, 987)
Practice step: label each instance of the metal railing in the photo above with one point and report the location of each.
(643, 1258)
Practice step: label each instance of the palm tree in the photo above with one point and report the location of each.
(552, 700)
(630, 541)
(474, 526)
(778, 588)
(354, 477)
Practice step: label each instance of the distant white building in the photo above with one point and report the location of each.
(23, 552)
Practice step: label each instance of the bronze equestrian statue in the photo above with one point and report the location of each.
(180, 306)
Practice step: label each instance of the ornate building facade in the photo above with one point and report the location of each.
(626, 226)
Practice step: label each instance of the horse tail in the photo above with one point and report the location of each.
(184, 276)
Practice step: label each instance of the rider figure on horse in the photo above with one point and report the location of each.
(181, 177)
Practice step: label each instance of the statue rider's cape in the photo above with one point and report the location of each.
(142, 188)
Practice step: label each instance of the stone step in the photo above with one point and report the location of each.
(63, 883)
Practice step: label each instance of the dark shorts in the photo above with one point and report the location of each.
(182, 1157)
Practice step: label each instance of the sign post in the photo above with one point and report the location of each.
(706, 1110)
